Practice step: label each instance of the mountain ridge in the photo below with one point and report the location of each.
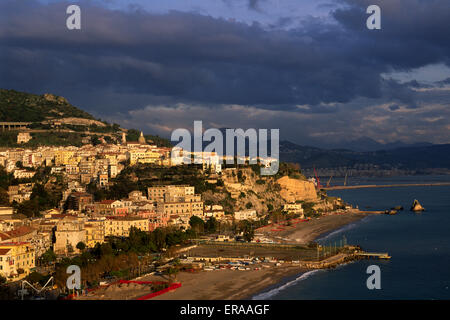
(16, 106)
(404, 158)
(54, 121)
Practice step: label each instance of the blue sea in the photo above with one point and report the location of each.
(419, 244)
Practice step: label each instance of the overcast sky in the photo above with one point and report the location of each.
(308, 67)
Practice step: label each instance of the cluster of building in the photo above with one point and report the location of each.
(90, 222)
(80, 219)
(84, 164)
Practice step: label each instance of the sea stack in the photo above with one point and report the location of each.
(416, 206)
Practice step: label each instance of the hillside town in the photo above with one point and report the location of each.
(77, 221)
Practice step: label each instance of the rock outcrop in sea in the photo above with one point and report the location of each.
(416, 206)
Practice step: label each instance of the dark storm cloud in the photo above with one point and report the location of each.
(190, 57)
(394, 107)
(251, 4)
(324, 71)
(254, 4)
(414, 32)
(443, 82)
(417, 84)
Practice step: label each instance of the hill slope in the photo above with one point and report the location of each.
(72, 125)
(26, 107)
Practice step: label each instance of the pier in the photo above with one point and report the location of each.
(388, 185)
(383, 255)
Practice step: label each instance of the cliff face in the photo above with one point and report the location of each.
(294, 189)
(248, 190)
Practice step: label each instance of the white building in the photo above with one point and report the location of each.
(245, 215)
(23, 174)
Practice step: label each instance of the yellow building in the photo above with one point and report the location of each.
(17, 259)
(189, 206)
(120, 226)
(62, 157)
(295, 208)
(95, 232)
(143, 156)
(170, 192)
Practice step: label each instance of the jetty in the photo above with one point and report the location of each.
(388, 185)
(383, 255)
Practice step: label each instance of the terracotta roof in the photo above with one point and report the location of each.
(129, 218)
(8, 244)
(62, 215)
(81, 194)
(21, 231)
(4, 251)
(107, 201)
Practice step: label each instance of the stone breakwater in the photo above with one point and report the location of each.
(336, 260)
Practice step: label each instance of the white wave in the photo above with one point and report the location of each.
(270, 293)
(344, 228)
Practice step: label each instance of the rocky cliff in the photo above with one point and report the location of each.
(295, 189)
(246, 190)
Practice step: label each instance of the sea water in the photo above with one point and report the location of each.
(419, 244)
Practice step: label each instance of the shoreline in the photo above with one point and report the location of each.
(314, 236)
(244, 285)
(317, 227)
(226, 284)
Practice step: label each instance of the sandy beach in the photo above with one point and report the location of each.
(226, 284)
(236, 285)
(313, 229)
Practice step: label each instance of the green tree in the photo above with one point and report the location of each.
(197, 224)
(34, 277)
(47, 257)
(211, 225)
(4, 197)
(29, 208)
(95, 140)
(248, 230)
(81, 246)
